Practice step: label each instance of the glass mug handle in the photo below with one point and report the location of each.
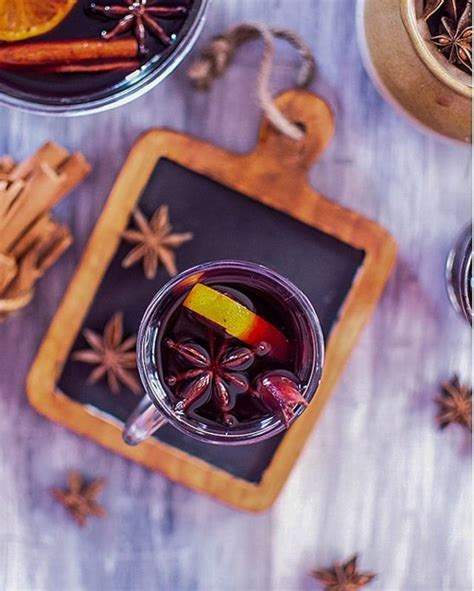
(143, 422)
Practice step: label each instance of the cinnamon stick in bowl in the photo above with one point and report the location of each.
(74, 51)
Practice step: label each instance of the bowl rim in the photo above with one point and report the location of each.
(123, 95)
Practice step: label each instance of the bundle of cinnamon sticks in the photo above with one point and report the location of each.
(30, 239)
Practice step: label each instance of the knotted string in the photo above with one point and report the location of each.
(220, 52)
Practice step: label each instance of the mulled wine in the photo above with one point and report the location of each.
(229, 354)
(78, 55)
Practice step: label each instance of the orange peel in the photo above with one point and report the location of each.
(236, 320)
(22, 19)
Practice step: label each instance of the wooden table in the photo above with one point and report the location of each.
(376, 477)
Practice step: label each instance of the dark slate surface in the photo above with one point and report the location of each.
(226, 225)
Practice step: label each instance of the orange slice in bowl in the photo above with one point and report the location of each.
(22, 19)
(236, 320)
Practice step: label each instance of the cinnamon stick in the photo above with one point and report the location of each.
(38, 229)
(44, 53)
(8, 194)
(50, 153)
(25, 278)
(7, 164)
(31, 241)
(51, 247)
(37, 197)
(43, 189)
(14, 302)
(8, 270)
(93, 67)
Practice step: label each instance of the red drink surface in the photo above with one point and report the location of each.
(218, 378)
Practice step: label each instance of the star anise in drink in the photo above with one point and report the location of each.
(455, 404)
(343, 576)
(80, 498)
(115, 358)
(155, 242)
(217, 375)
(210, 374)
(140, 16)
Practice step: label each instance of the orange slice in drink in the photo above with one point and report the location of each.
(236, 320)
(22, 19)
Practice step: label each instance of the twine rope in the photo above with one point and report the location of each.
(215, 58)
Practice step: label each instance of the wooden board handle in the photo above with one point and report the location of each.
(314, 115)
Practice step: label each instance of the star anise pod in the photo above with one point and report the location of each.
(451, 7)
(280, 393)
(343, 576)
(455, 404)
(141, 16)
(114, 357)
(456, 39)
(80, 498)
(155, 243)
(210, 373)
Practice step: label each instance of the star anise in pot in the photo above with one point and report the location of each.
(450, 26)
(455, 404)
(451, 8)
(455, 39)
(211, 373)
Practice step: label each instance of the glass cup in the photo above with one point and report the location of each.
(459, 274)
(132, 86)
(156, 408)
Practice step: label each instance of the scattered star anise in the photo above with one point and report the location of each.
(343, 576)
(210, 374)
(455, 404)
(141, 16)
(80, 498)
(155, 243)
(114, 358)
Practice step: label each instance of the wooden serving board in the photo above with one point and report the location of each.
(257, 206)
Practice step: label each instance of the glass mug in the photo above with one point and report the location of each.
(459, 274)
(157, 409)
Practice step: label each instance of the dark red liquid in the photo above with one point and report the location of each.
(81, 23)
(232, 362)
